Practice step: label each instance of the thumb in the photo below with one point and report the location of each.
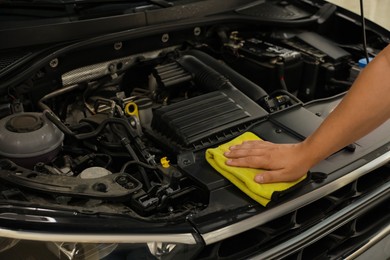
(271, 176)
(277, 176)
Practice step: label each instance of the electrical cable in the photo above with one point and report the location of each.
(280, 69)
(126, 144)
(364, 31)
(127, 164)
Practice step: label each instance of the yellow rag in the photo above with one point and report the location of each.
(242, 177)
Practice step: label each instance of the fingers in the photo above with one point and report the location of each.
(249, 161)
(249, 148)
(253, 154)
(244, 153)
(257, 144)
(280, 162)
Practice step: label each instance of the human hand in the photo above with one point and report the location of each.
(281, 162)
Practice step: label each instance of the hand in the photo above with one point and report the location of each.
(281, 162)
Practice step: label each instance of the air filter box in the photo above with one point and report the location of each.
(206, 119)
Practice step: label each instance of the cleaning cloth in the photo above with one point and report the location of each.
(242, 177)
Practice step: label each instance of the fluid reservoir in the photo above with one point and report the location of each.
(27, 138)
(356, 69)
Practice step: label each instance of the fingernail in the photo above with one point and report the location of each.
(259, 178)
(232, 147)
(227, 153)
(228, 161)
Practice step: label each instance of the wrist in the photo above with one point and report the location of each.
(310, 153)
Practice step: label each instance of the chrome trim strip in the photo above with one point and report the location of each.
(270, 214)
(185, 238)
(370, 243)
(317, 232)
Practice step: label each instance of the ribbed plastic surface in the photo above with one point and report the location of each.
(191, 120)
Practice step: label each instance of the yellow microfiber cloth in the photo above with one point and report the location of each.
(242, 177)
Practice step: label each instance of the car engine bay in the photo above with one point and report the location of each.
(118, 127)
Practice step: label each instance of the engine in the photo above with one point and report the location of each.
(117, 134)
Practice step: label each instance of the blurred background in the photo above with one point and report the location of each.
(377, 11)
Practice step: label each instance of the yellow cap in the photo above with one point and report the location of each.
(164, 162)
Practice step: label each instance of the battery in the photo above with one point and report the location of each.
(266, 64)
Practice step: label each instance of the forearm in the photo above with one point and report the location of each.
(365, 107)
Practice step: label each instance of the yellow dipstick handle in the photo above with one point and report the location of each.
(131, 109)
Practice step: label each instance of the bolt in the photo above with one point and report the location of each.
(118, 46)
(121, 180)
(39, 167)
(111, 68)
(165, 37)
(53, 63)
(278, 131)
(197, 31)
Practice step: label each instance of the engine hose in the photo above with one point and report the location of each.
(253, 91)
(54, 119)
(112, 120)
(57, 122)
(56, 93)
(204, 75)
(96, 132)
(126, 143)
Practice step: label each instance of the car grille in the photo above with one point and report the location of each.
(335, 242)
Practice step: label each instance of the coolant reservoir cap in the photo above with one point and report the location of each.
(24, 123)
